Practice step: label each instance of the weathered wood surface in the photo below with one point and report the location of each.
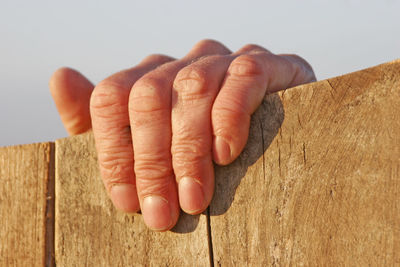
(324, 190)
(90, 232)
(25, 173)
(318, 185)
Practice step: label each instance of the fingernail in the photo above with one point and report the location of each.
(156, 213)
(191, 195)
(222, 150)
(124, 197)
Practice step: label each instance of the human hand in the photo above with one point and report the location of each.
(159, 125)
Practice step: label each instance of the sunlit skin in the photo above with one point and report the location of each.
(159, 125)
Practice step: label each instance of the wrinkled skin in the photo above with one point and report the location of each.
(159, 125)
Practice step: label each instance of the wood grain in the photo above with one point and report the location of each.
(90, 232)
(325, 188)
(25, 172)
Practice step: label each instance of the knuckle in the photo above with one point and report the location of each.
(153, 167)
(208, 46)
(253, 48)
(147, 95)
(149, 81)
(187, 152)
(191, 81)
(154, 186)
(206, 43)
(246, 66)
(153, 172)
(116, 167)
(157, 58)
(110, 96)
(229, 122)
(230, 107)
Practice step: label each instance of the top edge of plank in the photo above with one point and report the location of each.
(349, 74)
(36, 144)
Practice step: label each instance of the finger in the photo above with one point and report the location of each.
(206, 47)
(71, 93)
(150, 113)
(111, 129)
(251, 48)
(249, 77)
(195, 89)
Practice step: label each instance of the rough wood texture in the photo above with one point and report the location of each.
(324, 189)
(25, 172)
(90, 232)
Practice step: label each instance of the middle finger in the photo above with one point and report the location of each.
(150, 116)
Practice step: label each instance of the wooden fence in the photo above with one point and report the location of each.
(318, 184)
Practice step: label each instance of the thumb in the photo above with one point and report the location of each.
(71, 93)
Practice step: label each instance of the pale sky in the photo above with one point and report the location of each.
(101, 37)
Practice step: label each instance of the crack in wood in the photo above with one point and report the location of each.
(209, 237)
(50, 210)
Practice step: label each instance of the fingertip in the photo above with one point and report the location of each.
(222, 153)
(124, 198)
(231, 132)
(64, 79)
(71, 93)
(59, 75)
(157, 213)
(191, 196)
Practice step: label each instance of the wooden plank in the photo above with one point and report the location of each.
(90, 232)
(326, 189)
(25, 174)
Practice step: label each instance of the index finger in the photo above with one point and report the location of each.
(249, 77)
